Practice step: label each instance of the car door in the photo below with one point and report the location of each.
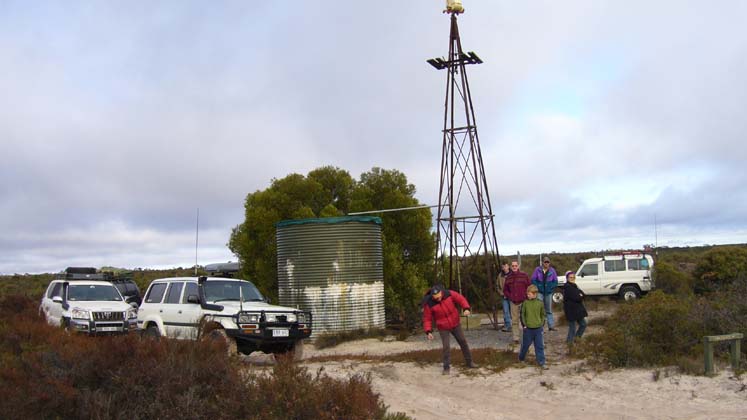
(171, 310)
(589, 278)
(190, 312)
(53, 310)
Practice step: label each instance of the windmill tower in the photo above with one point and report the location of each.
(466, 249)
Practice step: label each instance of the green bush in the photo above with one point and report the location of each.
(653, 331)
(720, 266)
(672, 281)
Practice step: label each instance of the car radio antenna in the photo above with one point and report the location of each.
(197, 237)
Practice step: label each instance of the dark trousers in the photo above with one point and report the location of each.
(533, 336)
(445, 341)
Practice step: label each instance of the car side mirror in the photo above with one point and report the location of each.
(57, 299)
(193, 299)
(581, 274)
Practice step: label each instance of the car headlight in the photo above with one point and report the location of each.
(131, 314)
(270, 318)
(249, 318)
(79, 313)
(291, 317)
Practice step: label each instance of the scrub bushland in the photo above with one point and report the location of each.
(668, 329)
(46, 372)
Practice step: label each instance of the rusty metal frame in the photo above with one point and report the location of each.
(461, 239)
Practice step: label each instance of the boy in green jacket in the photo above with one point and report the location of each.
(532, 319)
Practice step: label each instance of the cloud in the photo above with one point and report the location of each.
(118, 122)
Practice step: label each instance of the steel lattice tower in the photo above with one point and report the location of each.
(466, 245)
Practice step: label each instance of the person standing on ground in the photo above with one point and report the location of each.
(532, 320)
(573, 307)
(546, 280)
(441, 306)
(515, 289)
(506, 304)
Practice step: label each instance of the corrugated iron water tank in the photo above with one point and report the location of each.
(333, 267)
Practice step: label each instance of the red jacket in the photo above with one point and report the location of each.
(444, 312)
(515, 287)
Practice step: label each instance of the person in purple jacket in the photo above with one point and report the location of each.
(546, 280)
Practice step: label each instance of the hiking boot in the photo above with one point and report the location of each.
(552, 329)
(446, 371)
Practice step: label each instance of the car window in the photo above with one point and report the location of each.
(590, 270)
(175, 291)
(155, 294)
(92, 293)
(614, 265)
(191, 289)
(218, 290)
(55, 290)
(638, 264)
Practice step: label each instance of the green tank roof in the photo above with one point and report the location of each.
(330, 220)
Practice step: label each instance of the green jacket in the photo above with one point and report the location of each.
(533, 313)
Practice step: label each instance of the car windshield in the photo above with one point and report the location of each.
(231, 290)
(93, 292)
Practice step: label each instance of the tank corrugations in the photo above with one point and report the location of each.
(333, 267)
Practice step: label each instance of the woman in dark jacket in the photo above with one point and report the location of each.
(573, 306)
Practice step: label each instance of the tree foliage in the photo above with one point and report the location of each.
(326, 192)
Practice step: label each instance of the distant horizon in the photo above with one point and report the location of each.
(188, 267)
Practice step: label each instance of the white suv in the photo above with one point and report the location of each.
(626, 275)
(232, 310)
(87, 306)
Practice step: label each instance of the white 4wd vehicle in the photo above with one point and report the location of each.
(226, 309)
(627, 276)
(87, 306)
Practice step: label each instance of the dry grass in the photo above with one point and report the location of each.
(489, 359)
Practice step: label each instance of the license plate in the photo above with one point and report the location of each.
(280, 333)
(104, 329)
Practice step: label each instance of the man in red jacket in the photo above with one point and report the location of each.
(515, 289)
(441, 305)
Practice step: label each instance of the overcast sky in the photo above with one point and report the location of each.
(118, 120)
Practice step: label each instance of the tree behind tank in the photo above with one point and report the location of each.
(408, 245)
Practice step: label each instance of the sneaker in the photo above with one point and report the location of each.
(553, 329)
(544, 367)
(505, 329)
(446, 371)
(472, 366)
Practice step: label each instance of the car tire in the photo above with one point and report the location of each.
(219, 335)
(557, 296)
(629, 293)
(152, 332)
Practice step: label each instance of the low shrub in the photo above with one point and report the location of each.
(668, 330)
(46, 372)
(672, 281)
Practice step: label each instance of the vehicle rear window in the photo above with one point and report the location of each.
(641, 264)
(155, 294)
(175, 291)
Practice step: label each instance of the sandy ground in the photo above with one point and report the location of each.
(568, 390)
